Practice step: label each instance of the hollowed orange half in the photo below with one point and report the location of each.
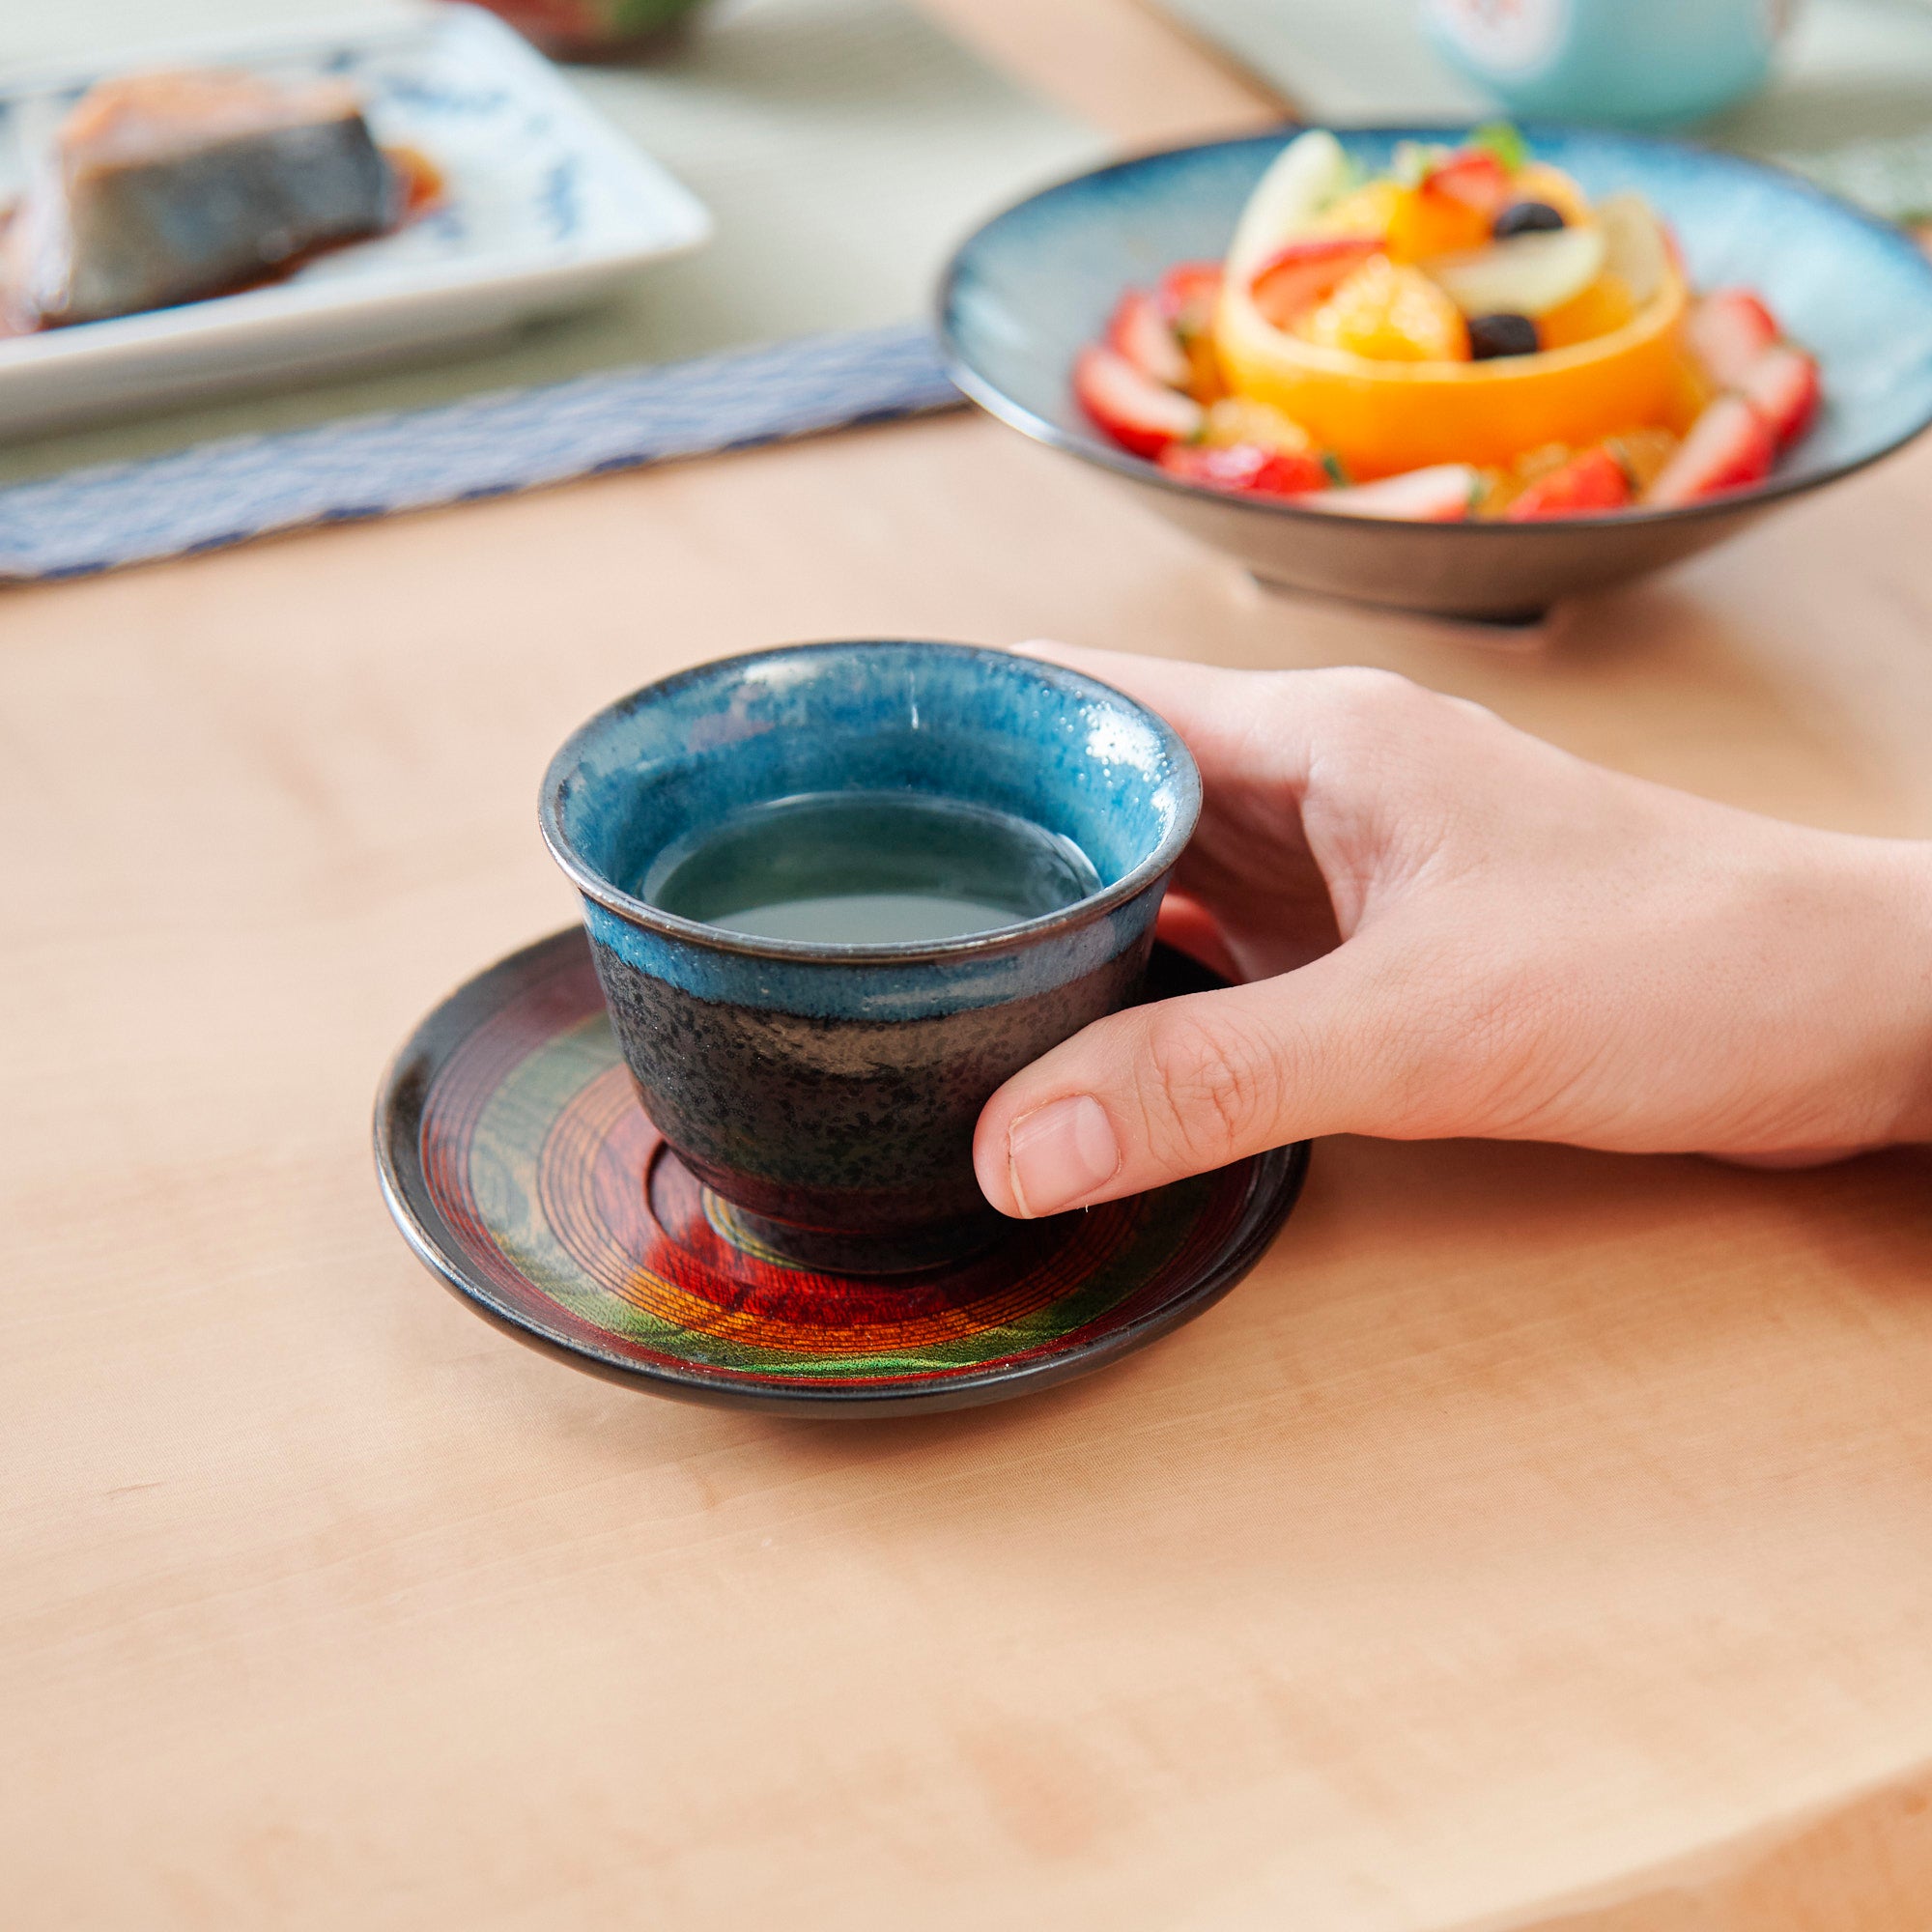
(1381, 418)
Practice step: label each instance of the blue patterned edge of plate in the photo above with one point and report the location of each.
(218, 493)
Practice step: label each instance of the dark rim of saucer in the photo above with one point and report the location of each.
(999, 939)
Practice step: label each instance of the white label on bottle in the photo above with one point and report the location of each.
(1503, 37)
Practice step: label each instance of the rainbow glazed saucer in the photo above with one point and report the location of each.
(519, 1165)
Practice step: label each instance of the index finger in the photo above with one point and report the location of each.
(1229, 718)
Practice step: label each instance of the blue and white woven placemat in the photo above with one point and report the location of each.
(219, 494)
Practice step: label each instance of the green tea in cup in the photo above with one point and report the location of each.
(869, 869)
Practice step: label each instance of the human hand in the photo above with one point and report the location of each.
(1449, 927)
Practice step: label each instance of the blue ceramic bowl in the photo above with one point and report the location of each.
(827, 1093)
(1025, 293)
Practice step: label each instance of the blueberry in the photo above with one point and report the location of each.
(1527, 217)
(1501, 335)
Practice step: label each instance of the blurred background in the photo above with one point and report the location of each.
(843, 147)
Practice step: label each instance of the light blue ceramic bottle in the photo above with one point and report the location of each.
(1631, 63)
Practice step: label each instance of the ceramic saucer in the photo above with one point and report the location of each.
(519, 1165)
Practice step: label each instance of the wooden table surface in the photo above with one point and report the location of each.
(1537, 1540)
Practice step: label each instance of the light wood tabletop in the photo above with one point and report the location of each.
(1537, 1540)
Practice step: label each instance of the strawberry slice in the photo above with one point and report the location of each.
(1782, 386)
(1308, 271)
(1472, 175)
(1438, 495)
(1140, 333)
(1728, 331)
(1187, 296)
(1729, 447)
(1246, 469)
(1586, 486)
(1138, 412)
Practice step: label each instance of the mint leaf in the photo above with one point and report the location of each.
(1503, 142)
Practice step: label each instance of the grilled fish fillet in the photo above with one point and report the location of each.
(167, 187)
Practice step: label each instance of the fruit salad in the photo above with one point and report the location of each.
(1467, 336)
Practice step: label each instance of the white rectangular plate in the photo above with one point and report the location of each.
(544, 205)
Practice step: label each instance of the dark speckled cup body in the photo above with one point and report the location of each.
(827, 1093)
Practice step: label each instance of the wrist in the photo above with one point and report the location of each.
(1901, 877)
(1838, 1056)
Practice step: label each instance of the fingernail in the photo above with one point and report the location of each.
(1058, 1154)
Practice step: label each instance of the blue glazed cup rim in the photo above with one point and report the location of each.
(1023, 933)
(1094, 449)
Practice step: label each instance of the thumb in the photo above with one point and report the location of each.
(1158, 1091)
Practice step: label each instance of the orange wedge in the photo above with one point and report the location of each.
(1381, 418)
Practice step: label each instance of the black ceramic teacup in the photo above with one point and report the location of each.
(826, 1091)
